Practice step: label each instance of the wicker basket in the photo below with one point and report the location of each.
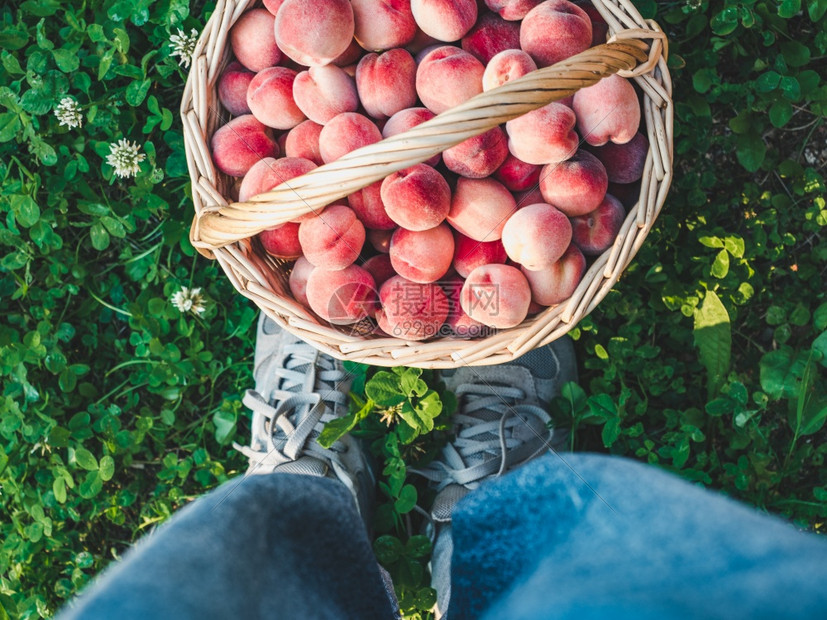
(223, 231)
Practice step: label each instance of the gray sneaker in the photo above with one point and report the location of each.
(501, 423)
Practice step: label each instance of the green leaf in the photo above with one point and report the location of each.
(99, 236)
(776, 374)
(136, 92)
(713, 337)
(780, 113)
(820, 349)
(820, 317)
(610, 432)
(750, 150)
(418, 546)
(91, 485)
(86, 459)
(720, 267)
(107, 467)
(767, 82)
(336, 429)
(25, 210)
(602, 406)
(789, 8)
(790, 88)
(411, 382)
(66, 60)
(59, 489)
(388, 550)
(725, 22)
(9, 126)
(816, 9)
(384, 389)
(406, 500)
(225, 421)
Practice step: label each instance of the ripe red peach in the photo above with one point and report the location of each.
(298, 279)
(543, 136)
(445, 20)
(480, 208)
(341, 297)
(411, 310)
(323, 92)
(496, 295)
(422, 256)
(232, 88)
(478, 156)
(517, 175)
(528, 197)
(416, 198)
(349, 57)
(380, 239)
(575, 186)
(627, 193)
(314, 33)
(448, 76)
(512, 10)
(333, 239)
(368, 205)
(460, 324)
(282, 241)
(345, 133)
(239, 144)
(273, 5)
(270, 98)
(556, 284)
(536, 236)
(595, 232)
(386, 82)
(303, 141)
(600, 29)
(555, 30)
(380, 268)
(506, 66)
(607, 111)
(406, 119)
(624, 162)
(470, 254)
(383, 24)
(252, 40)
(490, 36)
(270, 172)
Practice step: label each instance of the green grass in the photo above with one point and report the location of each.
(707, 359)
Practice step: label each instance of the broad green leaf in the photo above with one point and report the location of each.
(25, 210)
(336, 429)
(713, 337)
(59, 489)
(780, 113)
(418, 546)
(820, 349)
(790, 88)
(776, 374)
(789, 8)
(820, 317)
(720, 267)
(86, 459)
(406, 500)
(91, 485)
(66, 60)
(726, 21)
(816, 9)
(136, 92)
(225, 421)
(384, 389)
(735, 246)
(388, 549)
(602, 406)
(9, 126)
(750, 151)
(99, 236)
(610, 432)
(411, 382)
(767, 81)
(107, 467)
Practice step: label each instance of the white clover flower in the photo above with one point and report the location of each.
(124, 157)
(68, 113)
(183, 45)
(189, 300)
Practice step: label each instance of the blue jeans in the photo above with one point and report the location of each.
(566, 536)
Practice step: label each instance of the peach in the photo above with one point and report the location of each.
(448, 76)
(422, 256)
(624, 162)
(595, 232)
(270, 98)
(333, 239)
(380, 268)
(416, 198)
(406, 119)
(350, 56)
(252, 40)
(536, 236)
(528, 197)
(303, 141)
(480, 208)
(445, 20)
(282, 242)
(420, 42)
(383, 24)
(232, 88)
(506, 66)
(478, 156)
(380, 239)
(368, 205)
(314, 33)
(411, 310)
(239, 144)
(575, 186)
(512, 10)
(273, 5)
(600, 29)
(386, 82)
(470, 254)
(543, 136)
(607, 111)
(627, 193)
(556, 284)
(341, 297)
(458, 322)
(496, 295)
(517, 175)
(490, 36)
(555, 30)
(324, 92)
(345, 133)
(270, 172)
(298, 279)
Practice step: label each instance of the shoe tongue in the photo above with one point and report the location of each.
(503, 375)
(304, 465)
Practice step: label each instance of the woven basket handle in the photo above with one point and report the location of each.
(217, 226)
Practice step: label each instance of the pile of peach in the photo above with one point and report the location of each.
(490, 231)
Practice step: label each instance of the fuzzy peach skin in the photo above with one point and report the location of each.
(595, 232)
(370, 209)
(272, 5)
(314, 33)
(490, 36)
(556, 284)
(517, 175)
(380, 239)
(543, 136)
(607, 111)
(282, 242)
(624, 162)
(416, 198)
(528, 197)
(496, 295)
(406, 119)
(575, 186)
(460, 324)
(445, 20)
(422, 256)
(271, 172)
(480, 208)
(349, 57)
(324, 92)
(512, 10)
(536, 236)
(555, 30)
(478, 156)
(446, 77)
(341, 297)
(232, 88)
(600, 29)
(470, 254)
(411, 310)
(252, 40)
(242, 142)
(270, 98)
(298, 279)
(345, 133)
(386, 82)
(380, 268)
(506, 66)
(383, 24)
(303, 141)
(333, 239)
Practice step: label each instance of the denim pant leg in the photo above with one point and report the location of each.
(589, 536)
(265, 546)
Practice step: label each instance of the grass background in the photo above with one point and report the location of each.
(707, 359)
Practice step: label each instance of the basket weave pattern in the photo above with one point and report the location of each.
(225, 231)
